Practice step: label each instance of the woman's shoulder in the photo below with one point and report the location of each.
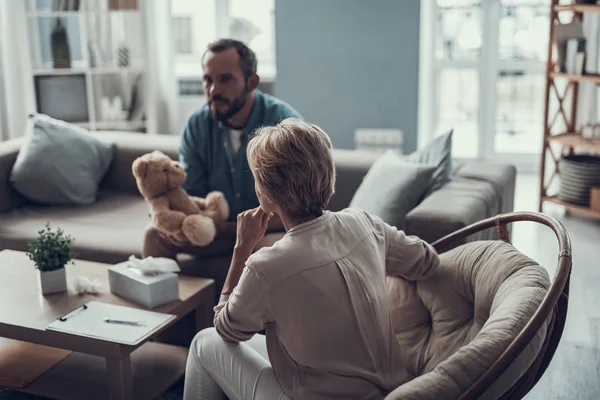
(266, 260)
(359, 216)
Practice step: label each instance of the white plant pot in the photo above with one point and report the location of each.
(53, 281)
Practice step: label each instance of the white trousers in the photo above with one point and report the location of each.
(241, 371)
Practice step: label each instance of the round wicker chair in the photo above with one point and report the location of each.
(551, 301)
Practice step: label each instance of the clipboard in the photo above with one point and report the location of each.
(125, 325)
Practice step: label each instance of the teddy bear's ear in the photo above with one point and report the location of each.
(139, 167)
(157, 153)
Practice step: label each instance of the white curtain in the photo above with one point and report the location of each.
(588, 108)
(161, 87)
(3, 126)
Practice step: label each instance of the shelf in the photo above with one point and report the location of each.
(572, 207)
(114, 70)
(576, 78)
(579, 8)
(574, 140)
(119, 125)
(54, 14)
(81, 70)
(59, 71)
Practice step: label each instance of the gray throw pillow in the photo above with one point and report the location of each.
(392, 187)
(438, 153)
(60, 163)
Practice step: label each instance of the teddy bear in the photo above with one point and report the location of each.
(172, 210)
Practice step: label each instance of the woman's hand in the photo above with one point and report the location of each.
(251, 227)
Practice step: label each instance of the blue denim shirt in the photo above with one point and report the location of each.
(206, 157)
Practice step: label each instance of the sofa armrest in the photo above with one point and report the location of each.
(478, 190)
(502, 176)
(458, 204)
(351, 166)
(128, 147)
(9, 197)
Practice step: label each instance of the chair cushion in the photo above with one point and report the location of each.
(455, 325)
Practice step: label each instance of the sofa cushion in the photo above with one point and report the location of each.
(110, 230)
(438, 152)
(392, 187)
(453, 326)
(130, 146)
(60, 163)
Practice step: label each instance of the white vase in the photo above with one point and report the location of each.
(53, 281)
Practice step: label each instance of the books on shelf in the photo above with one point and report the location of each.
(65, 5)
(574, 62)
(122, 4)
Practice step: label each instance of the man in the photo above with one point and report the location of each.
(213, 145)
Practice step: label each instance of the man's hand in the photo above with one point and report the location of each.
(251, 227)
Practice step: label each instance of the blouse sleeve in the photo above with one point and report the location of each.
(246, 311)
(408, 256)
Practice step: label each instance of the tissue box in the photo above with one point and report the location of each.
(147, 290)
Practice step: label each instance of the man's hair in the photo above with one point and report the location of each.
(247, 56)
(293, 166)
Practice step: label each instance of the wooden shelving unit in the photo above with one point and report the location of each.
(571, 140)
(104, 77)
(578, 8)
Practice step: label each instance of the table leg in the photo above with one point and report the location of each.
(120, 385)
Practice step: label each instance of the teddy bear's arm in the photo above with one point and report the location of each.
(199, 202)
(216, 206)
(164, 218)
(181, 201)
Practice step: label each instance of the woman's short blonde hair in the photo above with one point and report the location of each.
(293, 166)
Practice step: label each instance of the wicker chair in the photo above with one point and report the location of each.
(553, 306)
(550, 313)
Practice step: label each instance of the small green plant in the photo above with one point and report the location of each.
(51, 250)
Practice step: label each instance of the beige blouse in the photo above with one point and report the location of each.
(320, 293)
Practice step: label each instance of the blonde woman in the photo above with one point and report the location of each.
(319, 292)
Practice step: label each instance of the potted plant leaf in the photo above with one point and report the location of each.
(50, 252)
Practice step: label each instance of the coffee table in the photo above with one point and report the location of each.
(97, 369)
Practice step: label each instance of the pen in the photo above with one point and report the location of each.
(117, 321)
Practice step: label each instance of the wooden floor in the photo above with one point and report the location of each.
(575, 370)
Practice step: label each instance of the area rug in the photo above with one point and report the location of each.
(174, 393)
(573, 374)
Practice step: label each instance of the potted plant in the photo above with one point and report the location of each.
(50, 252)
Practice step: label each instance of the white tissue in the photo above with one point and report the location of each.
(152, 265)
(85, 285)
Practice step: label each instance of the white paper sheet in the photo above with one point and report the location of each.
(90, 322)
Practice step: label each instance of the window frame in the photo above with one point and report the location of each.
(223, 15)
(489, 65)
(175, 20)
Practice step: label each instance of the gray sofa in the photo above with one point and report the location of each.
(112, 229)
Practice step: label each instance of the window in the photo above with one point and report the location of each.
(487, 67)
(182, 35)
(197, 23)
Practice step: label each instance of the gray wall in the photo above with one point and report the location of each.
(350, 64)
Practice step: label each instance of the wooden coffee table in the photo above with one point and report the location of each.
(96, 369)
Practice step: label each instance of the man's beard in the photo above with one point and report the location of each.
(234, 106)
